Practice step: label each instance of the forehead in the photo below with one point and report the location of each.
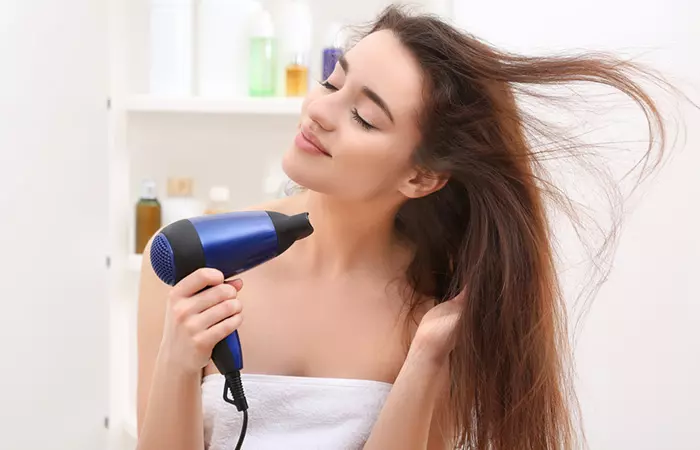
(380, 62)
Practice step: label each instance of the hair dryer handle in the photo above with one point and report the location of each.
(227, 354)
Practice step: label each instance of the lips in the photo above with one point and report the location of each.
(308, 136)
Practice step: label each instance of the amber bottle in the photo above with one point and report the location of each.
(148, 215)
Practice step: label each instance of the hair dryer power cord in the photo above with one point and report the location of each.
(235, 387)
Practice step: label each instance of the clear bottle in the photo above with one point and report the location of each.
(218, 200)
(297, 76)
(148, 215)
(262, 56)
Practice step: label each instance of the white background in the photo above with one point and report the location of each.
(53, 226)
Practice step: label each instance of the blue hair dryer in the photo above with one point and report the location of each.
(232, 243)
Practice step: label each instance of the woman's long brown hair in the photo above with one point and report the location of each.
(487, 232)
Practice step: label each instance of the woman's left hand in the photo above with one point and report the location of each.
(436, 334)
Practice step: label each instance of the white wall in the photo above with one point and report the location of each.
(53, 227)
(638, 351)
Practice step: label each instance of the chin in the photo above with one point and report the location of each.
(303, 172)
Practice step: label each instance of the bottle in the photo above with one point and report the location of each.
(171, 47)
(148, 215)
(180, 203)
(218, 200)
(221, 47)
(332, 52)
(262, 56)
(297, 36)
(297, 76)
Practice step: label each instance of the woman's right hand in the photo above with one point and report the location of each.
(196, 321)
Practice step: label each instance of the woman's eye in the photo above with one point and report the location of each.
(328, 86)
(355, 115)
(363, 123)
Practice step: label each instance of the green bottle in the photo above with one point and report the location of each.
(262, 70)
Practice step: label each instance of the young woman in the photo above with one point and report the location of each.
(424, 312)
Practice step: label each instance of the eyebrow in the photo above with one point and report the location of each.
(367, 91)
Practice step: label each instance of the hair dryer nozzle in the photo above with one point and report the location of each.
(290, 229)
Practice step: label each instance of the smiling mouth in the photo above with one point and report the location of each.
(308, 143)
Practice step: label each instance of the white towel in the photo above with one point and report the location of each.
(287, 413)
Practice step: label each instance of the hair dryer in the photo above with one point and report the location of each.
(232, 243)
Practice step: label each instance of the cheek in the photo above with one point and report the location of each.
(374, 164)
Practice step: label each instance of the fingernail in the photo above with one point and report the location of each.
(237, 283)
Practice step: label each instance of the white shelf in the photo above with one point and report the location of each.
(245, 105)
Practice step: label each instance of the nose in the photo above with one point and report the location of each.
(322, 111)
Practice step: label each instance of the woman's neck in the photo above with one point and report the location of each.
(348, 236)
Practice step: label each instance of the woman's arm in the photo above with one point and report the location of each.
(173, 418)
(413, 417)
(169, 401)
(409, 418)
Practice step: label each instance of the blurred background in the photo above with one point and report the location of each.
(117, 116)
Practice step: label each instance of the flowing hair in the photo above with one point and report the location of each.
(487, 232)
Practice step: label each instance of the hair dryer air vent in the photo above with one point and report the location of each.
(162, 259)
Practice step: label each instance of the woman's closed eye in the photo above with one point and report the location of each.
(355, 115)
(363, 123)
(328, 86)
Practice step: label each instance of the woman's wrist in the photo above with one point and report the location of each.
(423, 352)
(171, 366)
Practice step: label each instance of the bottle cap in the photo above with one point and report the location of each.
(179, 187)
(148, 190)
(299, 58)
(219, 194)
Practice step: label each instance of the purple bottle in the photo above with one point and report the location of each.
(332, 52)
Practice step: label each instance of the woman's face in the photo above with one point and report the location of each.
(358, 129)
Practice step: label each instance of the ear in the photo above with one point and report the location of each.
(423, 182)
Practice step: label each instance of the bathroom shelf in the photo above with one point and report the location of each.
(245, 105)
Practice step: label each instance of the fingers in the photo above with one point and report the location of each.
(237, 283)
(218, 313)
(222, 329)
(196, 281)
(210, 297)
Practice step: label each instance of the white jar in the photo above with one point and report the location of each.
(180, 202)
(171, 48)
(221, 47)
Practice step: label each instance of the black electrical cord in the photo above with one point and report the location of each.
(243, 430)
(235, 387)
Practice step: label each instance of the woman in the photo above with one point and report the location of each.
(424, 311)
